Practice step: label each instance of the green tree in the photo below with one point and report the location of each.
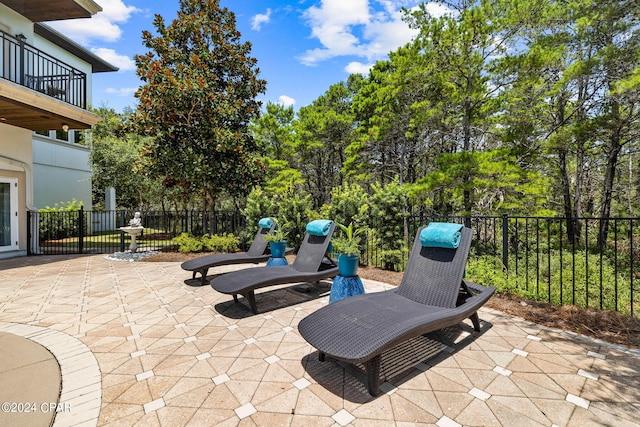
(389, 145)
(274, 132)
(567, 79)
(114, 155)
(197, 100)
(459, 51)
(323, 130)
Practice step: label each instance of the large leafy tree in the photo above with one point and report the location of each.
(389, 145)
(459, 49)
(198, 98)
(275, 133)
(114, 154)
(568, 81)
(323, 130)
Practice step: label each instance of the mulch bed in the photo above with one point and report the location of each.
(607, 326)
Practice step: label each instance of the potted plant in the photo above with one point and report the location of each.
(347, 248)
(277, 241)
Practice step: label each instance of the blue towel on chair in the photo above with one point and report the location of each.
(265, 223)
(319, 227)
(441, 235)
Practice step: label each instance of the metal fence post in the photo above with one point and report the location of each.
(505, 241)
(81, 230)
(122, 232)
(29, 234)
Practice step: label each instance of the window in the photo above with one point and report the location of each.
(8, 214)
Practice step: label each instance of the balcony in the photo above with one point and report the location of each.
(38, 91)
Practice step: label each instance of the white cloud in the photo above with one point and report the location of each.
(123, 62)
(363, 28)
(259, 19)
(123, 91)
(358, 68)
(103, 26)
(286, 101)
(437, 10)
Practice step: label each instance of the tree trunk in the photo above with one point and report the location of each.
(466, 193)
(607, 187)
(566, 191)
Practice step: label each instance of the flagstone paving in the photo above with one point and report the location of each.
(141, 343)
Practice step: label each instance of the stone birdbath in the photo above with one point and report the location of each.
(134, 229)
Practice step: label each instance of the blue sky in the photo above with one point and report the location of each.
(302, 47)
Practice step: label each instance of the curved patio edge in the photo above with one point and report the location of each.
(81, 390)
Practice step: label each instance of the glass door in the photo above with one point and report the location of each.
(8, 214)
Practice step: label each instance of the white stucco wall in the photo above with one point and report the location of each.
(15, 163)
(61, 173)
(14, 23)
(15, 142)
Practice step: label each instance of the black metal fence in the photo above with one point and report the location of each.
(533, 254)
(86, 232)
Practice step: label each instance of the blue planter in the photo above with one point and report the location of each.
(347, 265)
(278, 248)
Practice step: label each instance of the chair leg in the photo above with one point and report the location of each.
(373, 375)
(203, 276)
(250, 296)
(235, 298)
(476, 321)
(321, 356)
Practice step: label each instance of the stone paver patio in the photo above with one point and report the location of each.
(137, 344)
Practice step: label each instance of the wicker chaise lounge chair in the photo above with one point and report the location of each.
(431, 296)
(310, 265)
(258, 252)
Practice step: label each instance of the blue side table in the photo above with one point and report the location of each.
(273, 262)
(345, 286)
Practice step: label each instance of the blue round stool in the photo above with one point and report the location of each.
(274, 262)
(345, 286)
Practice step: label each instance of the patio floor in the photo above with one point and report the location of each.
(140, 343)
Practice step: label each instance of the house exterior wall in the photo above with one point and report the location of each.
(14, 23)
(47, 170)
(61, 172)
(15, 163)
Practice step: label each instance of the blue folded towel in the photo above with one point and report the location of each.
(441, 235)
(319, 227)
(265, 223)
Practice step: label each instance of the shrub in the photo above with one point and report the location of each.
(260, 204)
(60, 221)
(207, 243)
(188, 243)
(225, 243)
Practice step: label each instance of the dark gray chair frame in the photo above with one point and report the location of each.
(258, 252)
(432, 295)
(310, 265)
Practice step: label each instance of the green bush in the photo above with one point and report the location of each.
(260, 204)
(293, 215)
(349, 205)
(570, 281)
(226, 243)
(60, 221)
(188, 243)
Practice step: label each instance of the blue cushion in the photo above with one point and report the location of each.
(319, 227)
(265, 223)
(441, 235)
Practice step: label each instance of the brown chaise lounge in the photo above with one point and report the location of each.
(431, 296)
(258, 252)
(310, 265)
